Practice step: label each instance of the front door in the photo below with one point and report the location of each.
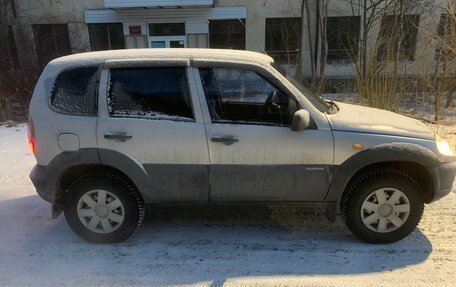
(254, 155)
(150, 119)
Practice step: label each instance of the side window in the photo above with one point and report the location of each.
(240, 96)
(75, 91)
(151, 93)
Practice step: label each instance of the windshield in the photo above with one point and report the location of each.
(315, 99)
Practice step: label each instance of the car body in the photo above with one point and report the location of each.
(206, 126)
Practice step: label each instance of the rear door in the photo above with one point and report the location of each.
(148, 116)
(254, 154)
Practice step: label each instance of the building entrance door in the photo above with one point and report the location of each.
(167, 35)
(168, 42)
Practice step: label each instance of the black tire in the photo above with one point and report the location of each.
(122, 188)
(370, 181)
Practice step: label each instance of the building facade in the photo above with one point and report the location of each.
(45, 29)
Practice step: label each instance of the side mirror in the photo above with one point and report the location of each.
(301, 120)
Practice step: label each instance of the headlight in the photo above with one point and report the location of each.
(443, 147)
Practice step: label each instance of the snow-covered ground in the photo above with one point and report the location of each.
(275, 246)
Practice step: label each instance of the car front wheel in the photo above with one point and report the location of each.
(383, 206)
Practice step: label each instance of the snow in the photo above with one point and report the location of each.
(157, 55)
(418, 106)
(218, 246)
(149, 115)
(365, 119)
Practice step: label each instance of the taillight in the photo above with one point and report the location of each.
(31, 135)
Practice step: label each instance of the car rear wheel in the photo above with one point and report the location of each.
(103, 208)
(383, 206)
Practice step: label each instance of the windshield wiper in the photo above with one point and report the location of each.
(333, 107)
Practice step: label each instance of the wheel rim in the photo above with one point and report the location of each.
(385, 210)
(100, 211)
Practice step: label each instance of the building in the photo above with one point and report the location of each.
(44, 29)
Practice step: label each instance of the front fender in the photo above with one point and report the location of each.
(390, 152)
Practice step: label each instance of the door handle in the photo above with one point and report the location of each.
(118, 136)
(226, 140)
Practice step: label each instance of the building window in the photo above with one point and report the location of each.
(342, 37)
(398, 37)
(51, 41)
(106, 36)
(446, 31)
(166, 29)
(227, 34)
(283, 37)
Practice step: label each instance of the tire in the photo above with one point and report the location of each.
(114, 219)
(401, 207)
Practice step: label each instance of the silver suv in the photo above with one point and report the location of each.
(113, 131)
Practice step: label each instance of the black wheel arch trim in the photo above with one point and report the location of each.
(384, 153)
(48, 180)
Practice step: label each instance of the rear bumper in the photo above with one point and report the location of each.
(444, 176)
(38, 175)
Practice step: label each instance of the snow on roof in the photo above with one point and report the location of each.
(163, 54)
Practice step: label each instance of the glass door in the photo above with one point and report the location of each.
(168, 42)
(158, 44)
(167, 35)
(177, 43)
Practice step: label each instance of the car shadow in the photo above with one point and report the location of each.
(189, 245)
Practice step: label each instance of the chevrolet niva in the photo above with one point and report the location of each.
(114, 131)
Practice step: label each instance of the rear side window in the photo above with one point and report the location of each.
(151, 93)
(75, 91)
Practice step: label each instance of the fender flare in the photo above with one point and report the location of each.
(129, 166)
(391, 152)
(62, 162)
(90, 157)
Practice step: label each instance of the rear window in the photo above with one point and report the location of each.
(74, 91)
(159, 93)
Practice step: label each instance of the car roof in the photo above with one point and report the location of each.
(182, 54)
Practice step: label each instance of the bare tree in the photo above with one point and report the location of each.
(379, 77)
(371, 12)
(446, 55)
(314, 15)
(18, 78)
(441, 82)
(6, 60)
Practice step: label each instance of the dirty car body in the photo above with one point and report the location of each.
(216, 126)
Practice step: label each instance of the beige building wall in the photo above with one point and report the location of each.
(72, 13)
(51, 12)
